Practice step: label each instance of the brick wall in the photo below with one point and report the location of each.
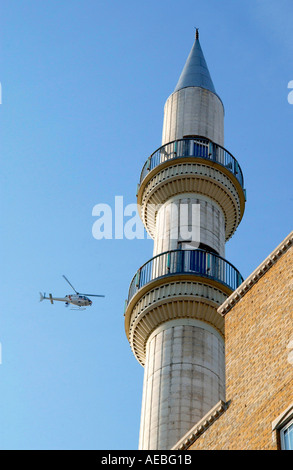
(259, 377)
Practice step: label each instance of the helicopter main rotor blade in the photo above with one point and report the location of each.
(92, 295)
(70, 284)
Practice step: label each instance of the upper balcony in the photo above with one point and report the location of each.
(192, 165)
(195, 148)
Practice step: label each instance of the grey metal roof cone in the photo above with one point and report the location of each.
(195, 72)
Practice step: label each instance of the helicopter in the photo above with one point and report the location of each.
(81, 301)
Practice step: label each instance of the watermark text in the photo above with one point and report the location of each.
(176, 221)
(290, 96)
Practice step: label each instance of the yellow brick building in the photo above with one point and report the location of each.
(257, 413)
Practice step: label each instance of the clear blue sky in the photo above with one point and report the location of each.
(84, 84)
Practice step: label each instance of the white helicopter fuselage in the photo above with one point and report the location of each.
(78, 300)
(75, 299)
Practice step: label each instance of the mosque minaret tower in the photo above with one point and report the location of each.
(191, 198)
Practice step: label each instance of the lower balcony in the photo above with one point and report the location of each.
(201, 263)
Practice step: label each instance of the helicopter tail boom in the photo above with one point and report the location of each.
(43, 297)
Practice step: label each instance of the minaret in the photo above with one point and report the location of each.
(191, 201)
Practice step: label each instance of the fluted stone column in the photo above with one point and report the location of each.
(184, 378)
(187, 221)
(193, 111)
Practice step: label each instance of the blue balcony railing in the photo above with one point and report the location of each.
(198, 148)
(197, 262)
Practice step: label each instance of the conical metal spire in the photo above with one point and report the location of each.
(195, 72)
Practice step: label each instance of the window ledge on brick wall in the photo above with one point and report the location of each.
(283, 419)
(279, 423)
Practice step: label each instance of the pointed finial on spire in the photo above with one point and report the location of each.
(195, 72)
